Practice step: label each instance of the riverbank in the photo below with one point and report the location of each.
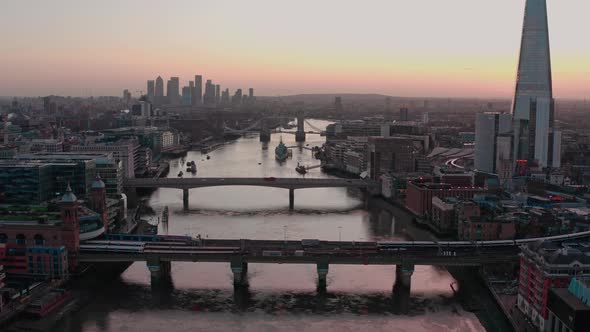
(473, 292)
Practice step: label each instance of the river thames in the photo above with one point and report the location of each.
(280, 297)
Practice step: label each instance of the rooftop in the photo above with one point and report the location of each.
(570, 299)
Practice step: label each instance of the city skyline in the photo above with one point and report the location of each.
(452, 55)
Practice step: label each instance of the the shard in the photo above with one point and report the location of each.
(535, 138)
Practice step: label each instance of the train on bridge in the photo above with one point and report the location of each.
(166, 244)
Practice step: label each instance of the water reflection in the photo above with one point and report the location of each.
(280, 296)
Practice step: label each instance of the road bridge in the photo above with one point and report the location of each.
(286, 183)
(158, 252)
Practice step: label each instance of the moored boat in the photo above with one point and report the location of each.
(191, 167)
(281, 151)
(301, 169)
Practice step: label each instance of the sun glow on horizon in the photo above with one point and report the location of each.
(401, 48)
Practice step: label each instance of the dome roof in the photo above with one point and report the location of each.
(97, 183)
(69, 196)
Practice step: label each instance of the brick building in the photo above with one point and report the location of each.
(419, 194)
(546, 265)
(443, 214)
(43, 233)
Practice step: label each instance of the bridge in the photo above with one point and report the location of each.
(159, 251)
(286, 183)
(261, 126)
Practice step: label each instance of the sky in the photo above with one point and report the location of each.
(417, 48)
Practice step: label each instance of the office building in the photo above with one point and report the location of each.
(46, 145)
(338, 104)
(395, 154)
(443, 214)
(151, 90)
(421, 191)
(225, 97)
(492, 140)
(237, 97)
(533, 107)
(125, 150)
(126, 96)
(197, 94)
(186, 95)
(209, 97)
(25, 182)
(159, 91)
(546, 265)
(173, 90)
(217, 94)
(45, 175)
(569, 308)
(403, 114)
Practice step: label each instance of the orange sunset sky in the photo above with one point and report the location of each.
(452, 48)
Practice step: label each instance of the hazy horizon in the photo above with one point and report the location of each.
(418, 49)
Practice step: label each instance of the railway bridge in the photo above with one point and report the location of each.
(159, 251)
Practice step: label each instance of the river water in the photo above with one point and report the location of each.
(280, 297)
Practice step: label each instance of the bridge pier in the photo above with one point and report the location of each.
(265, 136)
(185, 199)
(322, 268)
(159, 271)
(240, 270)
(300, 133)
(264, 131)
(402, 287)
(291, 198)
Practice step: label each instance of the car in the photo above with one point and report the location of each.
(270, 178)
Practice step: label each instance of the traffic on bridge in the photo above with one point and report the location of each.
(286, 183)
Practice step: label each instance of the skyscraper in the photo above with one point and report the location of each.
(237, 97)
(209, 97)
(491, 134)
(403, 114)
(159, 87)
(225, 97)
(217, 94)
(126, 96)
(173, 90)
(338, 104)
(197, 94)
(535, 136)
(186, 95)
(151, 87)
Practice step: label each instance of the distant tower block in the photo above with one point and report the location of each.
(300, 134)
(403, 114)
(338, 104)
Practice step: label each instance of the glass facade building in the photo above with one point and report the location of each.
(535, 137)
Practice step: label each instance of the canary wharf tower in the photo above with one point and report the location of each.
(535, 137)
